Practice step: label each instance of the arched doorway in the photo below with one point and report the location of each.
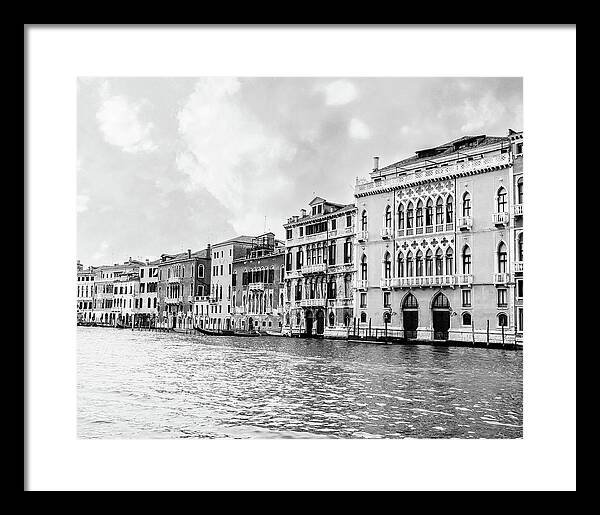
(320, 322)
(309, 322)
(410, 316)
(250, 324)
(441, 317)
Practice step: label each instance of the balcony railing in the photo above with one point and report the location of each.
(332, 234)
(385, 283)
(500, 218)
(311, 303)
(465, 223)
(362, 284)
(313, 269)
(501, 278)
(349, 230)
(518, 209)
(464, 279)
(386, 233)
(257, 286)
(399, 233)
(424, 281)
(201, 298)
(173, 300)
(362, 236)
(174, 279)
(340, 303)
(518, 266)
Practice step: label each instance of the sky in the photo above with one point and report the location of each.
(170, 164)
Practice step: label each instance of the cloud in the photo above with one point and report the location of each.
(82, 203)
(232, 153)
(101, 252)
(358, 129)
(119, 121)
(340, 92)
(488, 110)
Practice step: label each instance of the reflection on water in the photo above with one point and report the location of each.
(135, 384)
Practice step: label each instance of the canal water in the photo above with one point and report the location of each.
(138, 384)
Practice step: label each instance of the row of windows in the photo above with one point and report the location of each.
(85, 277)
(319, 227)
(319, 253)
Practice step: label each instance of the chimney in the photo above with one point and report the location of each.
(189, 253)
(375, 163)
(208, 251)
(303, 213)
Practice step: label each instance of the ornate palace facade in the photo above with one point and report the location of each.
(437, 239)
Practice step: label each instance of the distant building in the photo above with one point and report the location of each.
(320, 270)
(223, 255)
(147, 301)
(85, 293)
(257, 283)
(181, 278)
(438, 242)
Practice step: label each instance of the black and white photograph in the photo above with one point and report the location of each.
(304, 256)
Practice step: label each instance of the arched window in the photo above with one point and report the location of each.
(419, 214)
(388, 216)
(363, 220)
(410, 265)
(449, 209)
(401, 216)
(466, 260)
(449, 262)
(387, 266)
(409, 216)
(502, 320)
(363, 268)
(363, 317)
(439, 211)
(466, 204)
(501, 200)
(419, 264)
(429, 263)
(400, 265)
(440, 302)
(429, 212)
(410, 302)
(331, 319)
(520, 191)
(502, 258)
(439, 262)
(347, 286)
(520, 247)
(466, 318)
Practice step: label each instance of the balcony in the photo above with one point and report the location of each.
(312, 303)
(362, 284)
(174, 279)
(257, 286)
(386, 233)
(385, 283)
(362, 236)
(332, 234)
(464, 279)
(338, 269)
(349, 230)
(173, 300)
(501, 278)
(424, 281)
(518, 266)
(314, 269)
(500, 218)
(465, 223)
(340, 303)
(400, 233)
(518, 209)
(201, 298)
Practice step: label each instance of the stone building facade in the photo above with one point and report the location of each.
(435, 238)
(257, 282)
(320, 270)
(181, 278)
(85, 293)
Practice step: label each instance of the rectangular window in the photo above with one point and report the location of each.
(519, 288)
(333, 224)
(520, 320)
(301, 230)
(229, 268)
(141, 273)
(386, 299)
(288, 234)
(363, 300)
(466, 298)
(221, 271)
(502, 297)
(348, 220)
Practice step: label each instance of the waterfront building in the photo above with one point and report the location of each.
(320, 270)
(181, 278)
(126, 287)
(257, 282)
(106, 310)
(436, 242)
(201, 309)
(516, 139)
(85, 293)
(146, 304)
(223, 255)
